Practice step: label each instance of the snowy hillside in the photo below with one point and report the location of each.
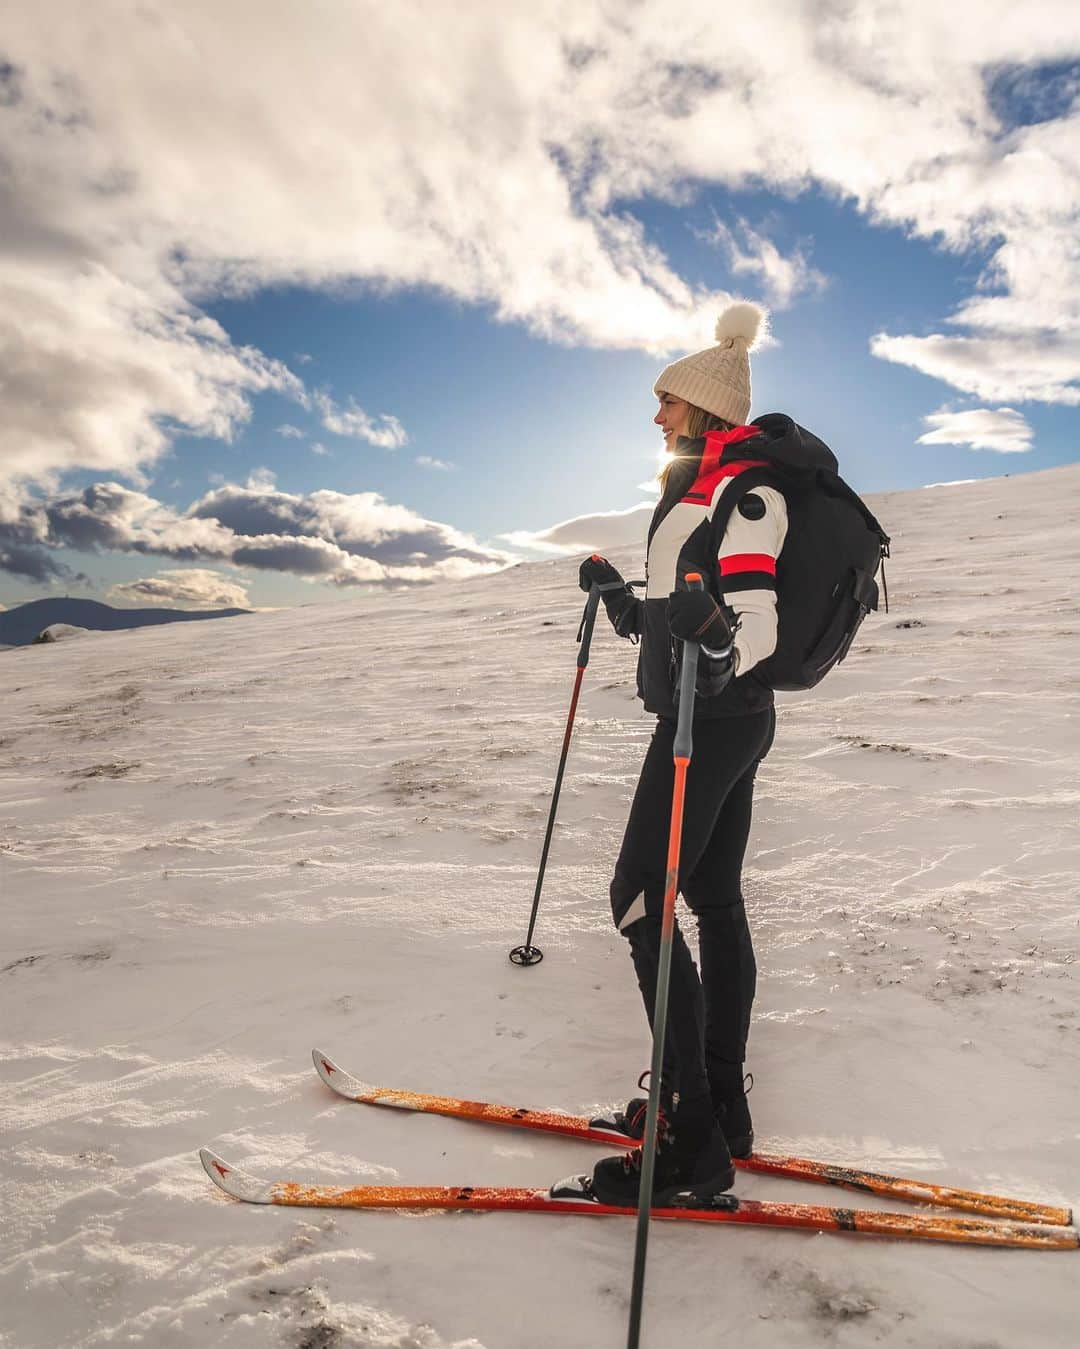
(222, 844)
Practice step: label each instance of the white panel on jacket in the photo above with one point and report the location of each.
(745, 539)
(667, 543)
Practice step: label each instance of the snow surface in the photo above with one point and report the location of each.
(225, 843)
(59, 632)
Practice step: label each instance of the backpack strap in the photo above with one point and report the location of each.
(739, 487)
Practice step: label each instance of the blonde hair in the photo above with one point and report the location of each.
(698, 421)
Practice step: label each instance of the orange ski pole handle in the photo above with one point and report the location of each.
(671, 887)
(683, 750)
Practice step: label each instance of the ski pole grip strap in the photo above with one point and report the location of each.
(588, 622)
(588, 618)
(687, 686)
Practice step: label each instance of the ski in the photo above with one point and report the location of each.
(764, 1163)
(573, 1197)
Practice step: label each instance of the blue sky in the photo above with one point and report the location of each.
(538, 431)
(460, 327)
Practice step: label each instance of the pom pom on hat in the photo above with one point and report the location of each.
(740, 320)
(718, 378)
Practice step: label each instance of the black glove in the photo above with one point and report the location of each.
(599, 571)
(622, 608)
(695, 616)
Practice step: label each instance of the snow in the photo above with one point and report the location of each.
(224, 844)
(58, 632)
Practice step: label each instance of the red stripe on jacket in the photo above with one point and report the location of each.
(716, 442)
(711, 471)
(739, 562)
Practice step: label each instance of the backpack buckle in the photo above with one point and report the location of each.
(865, 591)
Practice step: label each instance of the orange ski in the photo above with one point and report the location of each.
(791, 1168)
(572, 1197)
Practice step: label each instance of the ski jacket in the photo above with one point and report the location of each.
(742, 573)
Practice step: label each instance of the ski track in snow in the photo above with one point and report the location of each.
(223, 843)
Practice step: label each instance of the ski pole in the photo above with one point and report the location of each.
(683, 750)
(528, 954)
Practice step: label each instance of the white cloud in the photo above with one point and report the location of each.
(604, 531)
(108, 517)
(1001, 429)
(426, 461)
(384, 430)
(22, 534)
(94, 364)
(156, 158)
(317, 447)
(346, 539)
(290, 432)
(184, 589)
(783, 277)
(1042, 367)
(325, 536)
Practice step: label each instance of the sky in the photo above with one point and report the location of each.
(374, 296)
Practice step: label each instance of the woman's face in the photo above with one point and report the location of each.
(671, 418)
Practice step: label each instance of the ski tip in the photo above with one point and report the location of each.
(233, 1181)
(340, 1081)
(334, 1076)
(215, 1167)
(324, 1064)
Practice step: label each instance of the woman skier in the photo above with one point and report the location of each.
(704, 403)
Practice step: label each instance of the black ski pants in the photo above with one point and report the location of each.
(708, 1017)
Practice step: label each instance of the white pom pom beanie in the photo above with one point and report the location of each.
(718, 378)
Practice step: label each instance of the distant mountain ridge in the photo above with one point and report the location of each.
(19, 626)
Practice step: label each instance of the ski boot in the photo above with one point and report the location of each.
(729, 1103)
(733, 1111)
(693, 1164)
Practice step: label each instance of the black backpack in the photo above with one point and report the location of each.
(825, 583)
